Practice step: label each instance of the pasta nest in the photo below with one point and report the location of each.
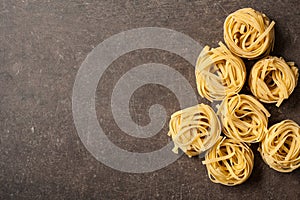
(249, 33)
(195, 129)
(281, 147)
(243, 118)
(219, 73)
(272, 79)
(229, 162)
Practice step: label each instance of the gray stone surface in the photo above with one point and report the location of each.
(43, 44)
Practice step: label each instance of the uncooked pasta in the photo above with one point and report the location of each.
(219, 73)
(272, 79)
(243, 118)
(194, 129)
(249, 33)
(229, 162)
(280, 149)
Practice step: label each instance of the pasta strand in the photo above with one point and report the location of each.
(272, 79)
(219, 73)
(243, 118)
(229, 162)
(194, 130)
(280, 149)
(249, 33)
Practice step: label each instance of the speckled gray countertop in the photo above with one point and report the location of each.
(42, 46)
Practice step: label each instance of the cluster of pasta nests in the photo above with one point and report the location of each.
(220, 76)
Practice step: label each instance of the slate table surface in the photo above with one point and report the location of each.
(42, 46)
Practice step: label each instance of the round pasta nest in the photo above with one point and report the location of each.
(219, 73)
(280, 149)
(249, 33)
(229, 162)
(243, 118)
(272, 79)
(195, 129)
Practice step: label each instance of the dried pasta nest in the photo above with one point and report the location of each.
(249, 33)
(195, 129)
(272, 79)
(219, 73)
(243, 118)
(280, 149)
(229, 162)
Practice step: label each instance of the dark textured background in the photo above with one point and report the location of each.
(43, 44)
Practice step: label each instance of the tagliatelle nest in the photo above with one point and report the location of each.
(229, 162)
(272, 79)
(244, 118)
(281, 147)
(194, 130)
(249, 33)
(219, 73)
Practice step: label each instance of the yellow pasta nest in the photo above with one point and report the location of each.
(229, 162)
(219, 73)
(194, 129)
(243, 118)
(281, 147)
(249, 33)
(272, 79)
